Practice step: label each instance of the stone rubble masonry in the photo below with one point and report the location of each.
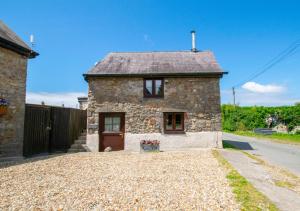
(198, 98)
(12, 87)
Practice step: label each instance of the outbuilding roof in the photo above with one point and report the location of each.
(157, 63)
(9, 40)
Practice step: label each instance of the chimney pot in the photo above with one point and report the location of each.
(194, 49)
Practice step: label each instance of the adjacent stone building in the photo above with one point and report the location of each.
(83, 103)
(13, 66)
(172, 97)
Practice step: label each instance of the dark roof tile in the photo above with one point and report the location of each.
(9, 39)
(140, 63)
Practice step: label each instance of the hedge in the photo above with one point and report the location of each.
(247, 118)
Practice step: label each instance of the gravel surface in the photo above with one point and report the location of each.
(190, 180)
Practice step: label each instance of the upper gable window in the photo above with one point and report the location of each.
(153, 87)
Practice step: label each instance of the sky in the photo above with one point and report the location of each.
(71, 36)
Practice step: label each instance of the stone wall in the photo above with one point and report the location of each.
(12, 87)
(198, 98)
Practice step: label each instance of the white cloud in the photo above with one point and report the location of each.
(69, 99)
(259, 88)
(247, 98)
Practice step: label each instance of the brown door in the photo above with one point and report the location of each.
(111, 131)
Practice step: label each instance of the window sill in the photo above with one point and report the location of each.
(153, 97)
(174, 132)
(111, 132)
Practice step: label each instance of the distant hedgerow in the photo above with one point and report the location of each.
(247, 118)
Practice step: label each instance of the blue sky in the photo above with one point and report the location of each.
(244, 35)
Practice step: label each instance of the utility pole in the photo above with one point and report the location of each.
(233, 93)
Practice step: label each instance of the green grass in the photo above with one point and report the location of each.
(279, 137)
(260, 161)
(284, 184)
(284, 172)
(245, 193)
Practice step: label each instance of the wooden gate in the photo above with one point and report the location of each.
(50, 129)
(59, 129)
(36, 130)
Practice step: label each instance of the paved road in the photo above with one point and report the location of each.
(255, 173)
(285, 155)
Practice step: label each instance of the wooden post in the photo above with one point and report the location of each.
(233, 93)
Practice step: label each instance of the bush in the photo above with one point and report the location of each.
(247, 118)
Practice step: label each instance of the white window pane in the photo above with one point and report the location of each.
(148, 83)
(116, 120)
(158, 83)
(149, 91)
(108, 120)
(169, 119)
(158, 90)
(108, 127)
(158, 87)
(149, 87)
(116, 123)
(116, 127)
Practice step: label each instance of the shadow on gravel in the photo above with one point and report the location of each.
(31, 159)
(237, 144)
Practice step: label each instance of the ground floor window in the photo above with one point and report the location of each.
(112, 124)
(174, 122)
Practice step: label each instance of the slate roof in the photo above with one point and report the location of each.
(9, 40)
(157, 63)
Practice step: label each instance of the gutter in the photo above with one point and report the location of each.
(17, 48)
(145, 75)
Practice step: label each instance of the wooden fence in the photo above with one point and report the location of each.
(49, 129)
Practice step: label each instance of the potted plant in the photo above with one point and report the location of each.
(3, 106)
(149, 145)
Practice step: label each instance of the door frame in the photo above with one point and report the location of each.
(101, 126)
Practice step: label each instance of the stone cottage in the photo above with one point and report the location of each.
(172, 97)
(14, 54)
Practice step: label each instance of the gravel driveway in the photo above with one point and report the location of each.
(118, 181)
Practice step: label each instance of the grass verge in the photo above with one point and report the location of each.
(288, 179)
(284, 184)
(282, 177)
(278, 137)
(245, 193)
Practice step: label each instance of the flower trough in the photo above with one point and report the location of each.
(149, 145)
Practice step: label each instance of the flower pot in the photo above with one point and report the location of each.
(149, 146)
(3, 110)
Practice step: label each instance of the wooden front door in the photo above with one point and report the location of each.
(111, 131)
